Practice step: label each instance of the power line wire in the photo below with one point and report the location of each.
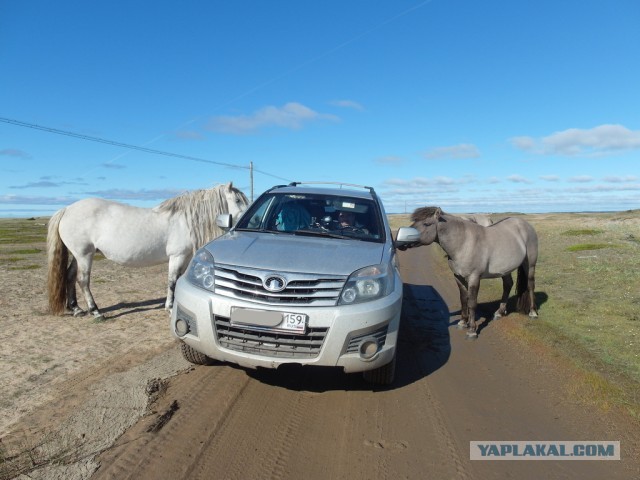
(117, 144)
(129, 146)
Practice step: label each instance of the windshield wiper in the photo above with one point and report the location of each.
(319, 233)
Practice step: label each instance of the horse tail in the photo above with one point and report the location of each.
(522, 293)
(58, 257)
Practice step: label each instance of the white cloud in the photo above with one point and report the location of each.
(347, 104)
(189, 135)
(464, 150)
(515, 193)
(292, 116)
(113, 166)
(518, 179)
(12, 152)
(444, 181)
(549, 178)
(523, 143)
(581, 179)
(625, 179)
(597, 141)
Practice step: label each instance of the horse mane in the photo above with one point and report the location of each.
(422, 213)
(200, 209)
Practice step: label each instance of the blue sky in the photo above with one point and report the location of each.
(474, 106)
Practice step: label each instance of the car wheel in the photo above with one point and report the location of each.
(194, 356)
(383, 375)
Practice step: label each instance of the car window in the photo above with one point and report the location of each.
(341, 216)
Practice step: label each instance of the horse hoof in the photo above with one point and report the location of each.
(533, 315)
(461, 324)
(497, 316)
(471, 336)
(79, 313)
(99, 318)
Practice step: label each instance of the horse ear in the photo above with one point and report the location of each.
(230, 186)
(438, 213)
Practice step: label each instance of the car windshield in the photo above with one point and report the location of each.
(315, 214)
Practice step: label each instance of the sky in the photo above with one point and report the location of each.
(473, 106)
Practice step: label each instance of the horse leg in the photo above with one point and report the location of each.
(474, 286)
(464, 309)
(84, 274)
(507, 284)
(72, 301)
(177, 266)
(531, 286)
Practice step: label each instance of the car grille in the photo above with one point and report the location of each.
(269, 343)
(301, 289)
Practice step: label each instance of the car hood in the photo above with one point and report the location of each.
(294, 253)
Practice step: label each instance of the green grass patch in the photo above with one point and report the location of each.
(589, 246)
(582, 231)
(11, 260)
(17, 231)
(25, 251)
(26, 267)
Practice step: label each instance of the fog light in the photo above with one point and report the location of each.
(368, 348)
(182, 327)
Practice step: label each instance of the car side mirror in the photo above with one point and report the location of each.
(407, 237)
(224, 221)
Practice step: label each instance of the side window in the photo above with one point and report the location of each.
(257, 217)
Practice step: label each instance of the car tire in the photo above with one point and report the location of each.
(194, 356)
(383, 375)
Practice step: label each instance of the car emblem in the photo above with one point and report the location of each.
(275, 283)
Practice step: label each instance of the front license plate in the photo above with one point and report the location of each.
(269, 320)
(295, 322)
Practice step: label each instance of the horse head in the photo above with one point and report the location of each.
(425, 220)
(237, 201)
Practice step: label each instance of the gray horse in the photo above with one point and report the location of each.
(477, 252)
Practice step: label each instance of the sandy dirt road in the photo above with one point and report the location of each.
(225, 422)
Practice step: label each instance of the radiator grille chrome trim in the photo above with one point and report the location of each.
(301, 289)
(268, 343)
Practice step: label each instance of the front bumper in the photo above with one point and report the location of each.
(336, 336)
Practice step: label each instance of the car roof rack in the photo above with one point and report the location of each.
(340, 184)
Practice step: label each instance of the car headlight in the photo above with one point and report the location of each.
(201, 270)
(366, 284)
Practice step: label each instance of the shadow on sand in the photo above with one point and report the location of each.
(127, 308)
(485, 310)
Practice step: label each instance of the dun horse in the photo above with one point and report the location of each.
(476, 252)
(131, 236)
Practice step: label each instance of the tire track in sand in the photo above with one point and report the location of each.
(137, 458)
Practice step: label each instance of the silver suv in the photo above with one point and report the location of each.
(308, 275)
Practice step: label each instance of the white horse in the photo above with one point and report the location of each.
(479, 218)
(131, 236)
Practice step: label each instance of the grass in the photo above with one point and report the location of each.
(589, 301)
(589, 246)
(16, 231)
(30, 233)
(583, 231)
